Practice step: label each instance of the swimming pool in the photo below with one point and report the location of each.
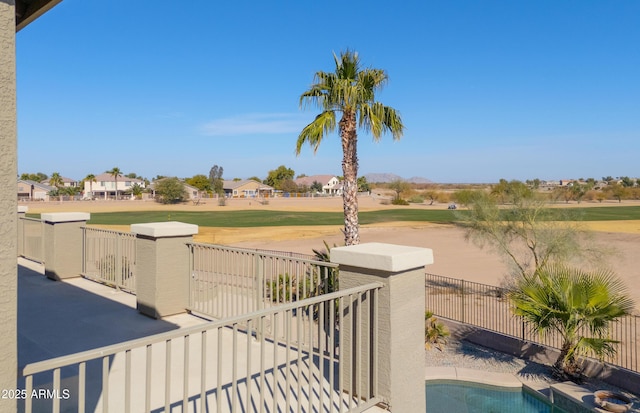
(462, 397)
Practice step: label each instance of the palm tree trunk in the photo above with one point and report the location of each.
(350, 172)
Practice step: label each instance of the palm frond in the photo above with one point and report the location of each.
(314, 132)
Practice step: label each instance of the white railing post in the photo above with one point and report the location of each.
(162, 267)
(62, 237)
(399, 309)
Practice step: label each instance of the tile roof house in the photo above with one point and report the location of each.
(330, 183)
(105, 185)
(32, 190)
(247, 189)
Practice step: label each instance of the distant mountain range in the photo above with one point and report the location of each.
(386, 177)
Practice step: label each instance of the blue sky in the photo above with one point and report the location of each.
(486, 89)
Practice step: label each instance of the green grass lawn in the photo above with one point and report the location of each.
(244, 219)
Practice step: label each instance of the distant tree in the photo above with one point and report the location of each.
(56, 180)
(303, 189)
(289, 186)
(215, 176)
(237, 179)
(254, 178)
(170, 191)
(158, 177)
(579, 191)
(131, 175)
(91, 178)
(528, 234)
(277, 176)
(115, 172)
(350, 91)
(467, 196)
(316, 187)
(37, 177)
(618, 191)
(70, 190)
(500, 190)
(363, 185)
(301, 176)
(607, 179)
(627, 182)
(399, 186)
(533, 183)
(517, 190)
(200, 181)
(432, 195)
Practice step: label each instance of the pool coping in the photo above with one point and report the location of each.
(568, 390)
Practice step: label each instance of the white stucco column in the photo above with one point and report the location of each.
(8, 204)
(400, 309)
(162, 267)
(63, 243)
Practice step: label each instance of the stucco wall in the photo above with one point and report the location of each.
(8, 203)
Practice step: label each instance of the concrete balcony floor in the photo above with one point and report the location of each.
(62, 318)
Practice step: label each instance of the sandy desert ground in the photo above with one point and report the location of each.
(453, 255)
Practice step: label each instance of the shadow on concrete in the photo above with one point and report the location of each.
(61, 318)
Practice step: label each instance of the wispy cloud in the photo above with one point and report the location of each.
(255, 123)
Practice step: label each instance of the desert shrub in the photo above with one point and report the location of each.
(416, 199)
(287, 288)
(435, 333)
(385, 201)
(399, 201)
(222, 201)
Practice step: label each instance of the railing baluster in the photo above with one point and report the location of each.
(105, 384)
(56, 390)
(185, 379)
(82, 378)
(127, 381)
(147, 385)
(203, 372)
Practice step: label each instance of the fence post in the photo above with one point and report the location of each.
(400, 307)
(162, 267)
(462, 301)
(62, 238)
(22, 210)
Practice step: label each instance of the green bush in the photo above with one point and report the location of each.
(399, 201)
(416, 199)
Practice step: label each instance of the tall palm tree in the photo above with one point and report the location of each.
(91, 178)
(350, 90)
(56, 180)
(115, 172)
(577, 305)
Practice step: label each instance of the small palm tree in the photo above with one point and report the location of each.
(351, 91)
(115, 172)
(578, 305)
(91, 178)
(56, 180)
(136, 190)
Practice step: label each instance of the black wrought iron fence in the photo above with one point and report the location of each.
(488, 307)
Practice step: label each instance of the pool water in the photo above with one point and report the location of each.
(462, 397)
